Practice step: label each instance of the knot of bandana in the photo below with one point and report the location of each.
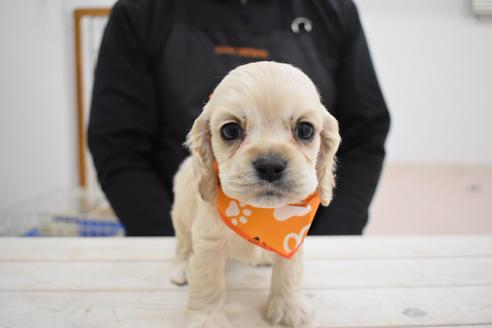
(281, 230)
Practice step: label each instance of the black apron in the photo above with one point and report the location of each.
(199, 52)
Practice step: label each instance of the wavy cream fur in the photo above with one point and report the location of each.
(266, 99)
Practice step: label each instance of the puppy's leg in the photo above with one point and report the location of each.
(285, 305)
(207, 265)
(182, 214)
(183, 251)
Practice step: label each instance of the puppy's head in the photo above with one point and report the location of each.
(273, 140)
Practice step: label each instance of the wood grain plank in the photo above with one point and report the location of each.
(154, 275)
(332, 308)
(340, 247)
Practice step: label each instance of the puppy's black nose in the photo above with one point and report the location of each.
(270, 168)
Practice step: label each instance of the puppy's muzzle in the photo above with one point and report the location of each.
(270, 168)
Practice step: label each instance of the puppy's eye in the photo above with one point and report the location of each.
(231, 131)
(304, 131)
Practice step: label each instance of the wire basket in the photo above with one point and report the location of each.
(61, 212)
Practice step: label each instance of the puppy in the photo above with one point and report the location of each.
(263, 111)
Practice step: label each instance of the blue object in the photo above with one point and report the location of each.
(86, 227)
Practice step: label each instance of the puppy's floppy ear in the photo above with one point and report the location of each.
(200, 145)
(326, 165)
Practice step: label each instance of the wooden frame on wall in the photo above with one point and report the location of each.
(78, 15)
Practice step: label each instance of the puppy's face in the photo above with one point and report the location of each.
(266, 142)
(272, 139)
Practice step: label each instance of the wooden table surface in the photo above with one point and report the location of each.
(348, 281)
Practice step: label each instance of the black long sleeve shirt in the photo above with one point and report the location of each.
(160, 59)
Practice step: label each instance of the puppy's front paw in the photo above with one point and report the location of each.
(291, 313)
(180, 273)
(209, 320)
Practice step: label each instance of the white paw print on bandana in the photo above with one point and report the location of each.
(237, 213)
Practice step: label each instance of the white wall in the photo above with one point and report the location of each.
(36, 131)
(433, 57)
(37, 97)
(435, 64)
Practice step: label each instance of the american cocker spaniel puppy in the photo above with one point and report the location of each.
(263, 158)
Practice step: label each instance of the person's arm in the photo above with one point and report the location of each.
(123, 125)
(364, 123)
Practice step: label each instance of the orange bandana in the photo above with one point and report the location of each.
(281, 230)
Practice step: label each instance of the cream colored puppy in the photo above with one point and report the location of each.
(274, 143)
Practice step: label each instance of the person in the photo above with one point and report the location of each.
(159, 61)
